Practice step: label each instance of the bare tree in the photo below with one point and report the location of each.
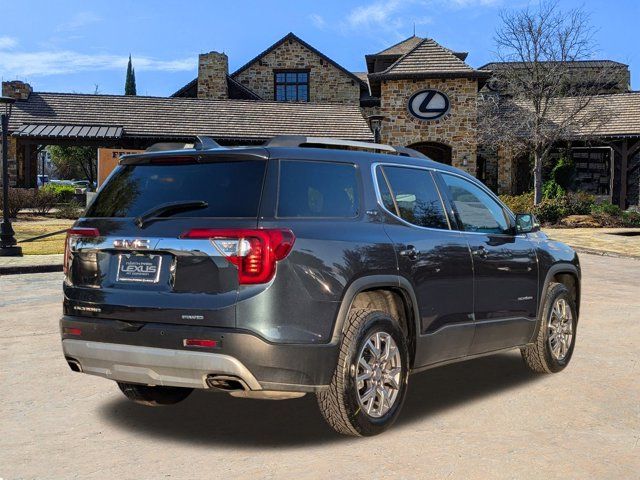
(539, 97)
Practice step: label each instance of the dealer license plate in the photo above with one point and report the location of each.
(138, 268)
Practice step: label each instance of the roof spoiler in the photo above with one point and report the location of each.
(202, 143)
(301, 141)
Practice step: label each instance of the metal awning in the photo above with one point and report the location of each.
(68, 131)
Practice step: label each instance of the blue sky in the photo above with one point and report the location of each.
(72, 46)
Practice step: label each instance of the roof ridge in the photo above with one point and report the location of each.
(435, 44)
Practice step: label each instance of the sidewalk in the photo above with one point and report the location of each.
(619, 242)
(31, 264)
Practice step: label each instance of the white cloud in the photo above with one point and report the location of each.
(77, 21)
(374, 13)
(22, 64)
(7, 42)
(318, 20)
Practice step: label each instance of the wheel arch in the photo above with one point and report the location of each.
(382, 288)
(565, 273)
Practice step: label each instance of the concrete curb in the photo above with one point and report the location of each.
(603, 253)
(22, 269)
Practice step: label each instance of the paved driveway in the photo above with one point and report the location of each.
(487, 418)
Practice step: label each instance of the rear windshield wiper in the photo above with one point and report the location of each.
(165, 209)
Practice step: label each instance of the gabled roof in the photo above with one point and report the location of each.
(180, 118)
(237, 91)
(429, 58)
(291, 36)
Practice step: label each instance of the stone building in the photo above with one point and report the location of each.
(415, 93)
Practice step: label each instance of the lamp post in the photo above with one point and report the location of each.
(8, 242)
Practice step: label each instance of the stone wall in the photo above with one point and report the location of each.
(11, 154)
(457, 129)
(213, 68)
(327, 84)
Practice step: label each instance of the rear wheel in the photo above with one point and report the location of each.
(370, 382)
(154, 396)
(556, 338)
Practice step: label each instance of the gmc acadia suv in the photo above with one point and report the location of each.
(307, 265)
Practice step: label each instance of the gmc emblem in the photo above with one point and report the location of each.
(135, 244)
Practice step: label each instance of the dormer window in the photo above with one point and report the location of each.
(292, 85)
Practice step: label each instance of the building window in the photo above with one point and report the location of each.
(292, 86)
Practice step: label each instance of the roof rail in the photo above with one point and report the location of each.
(300, 140)
(202, 143)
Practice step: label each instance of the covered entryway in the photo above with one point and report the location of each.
(437, 151)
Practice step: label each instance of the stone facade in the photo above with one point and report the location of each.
(327, 83)
(213, 68)
(457, 128)
(16, 89)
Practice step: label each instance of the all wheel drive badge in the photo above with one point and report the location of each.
(428, 104)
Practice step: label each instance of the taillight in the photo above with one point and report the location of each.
(73, 234)
(254, 251)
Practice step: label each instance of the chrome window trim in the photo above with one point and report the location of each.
(480, 185)
(374, 174)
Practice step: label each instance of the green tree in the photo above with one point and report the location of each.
(75, 162)
(130, 82)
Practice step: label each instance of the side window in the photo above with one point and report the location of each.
(477, 211)
(317, 189)
(412, 195)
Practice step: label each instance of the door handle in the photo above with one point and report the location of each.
(410, 252)
(480, 252)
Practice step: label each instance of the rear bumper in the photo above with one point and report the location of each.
(154, 366)
(154, 354)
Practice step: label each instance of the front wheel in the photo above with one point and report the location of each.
(154, 396)
(370, 382)
(556, 338)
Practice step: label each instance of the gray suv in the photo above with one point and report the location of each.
(306, 265)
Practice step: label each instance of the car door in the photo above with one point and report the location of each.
(433, 257)
(505, 266)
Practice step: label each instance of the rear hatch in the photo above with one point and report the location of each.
(143, 251)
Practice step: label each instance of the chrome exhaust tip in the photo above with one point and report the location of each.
(74, 364)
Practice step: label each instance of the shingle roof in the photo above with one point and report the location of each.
(610, 115)
(162, 117)
(494, 66)
(402, 47)
(429, 58)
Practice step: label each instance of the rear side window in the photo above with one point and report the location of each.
(230, 188)
(317, 189)
(411, 194)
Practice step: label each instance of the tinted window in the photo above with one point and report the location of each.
(413, 196)
(477, 211)
(317, 189)
(231, 188)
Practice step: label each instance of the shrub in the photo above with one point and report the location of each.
(606, 209)
(631, 218)
(551, 210)
(63, 193)
(70, 210)
(551, 189)
(44, 200)
(519, 203)
(579, 203)
(19, 199)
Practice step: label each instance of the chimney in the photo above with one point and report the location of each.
(16, 89)
(213, 68)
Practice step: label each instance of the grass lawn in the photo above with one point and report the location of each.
(28, 227)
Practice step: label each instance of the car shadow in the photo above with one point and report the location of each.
(217, 419)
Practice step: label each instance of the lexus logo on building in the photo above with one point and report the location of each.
(428, 104)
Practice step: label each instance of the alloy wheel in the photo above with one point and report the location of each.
(379, 371)
(560, 328)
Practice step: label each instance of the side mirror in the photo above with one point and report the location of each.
(526, 223)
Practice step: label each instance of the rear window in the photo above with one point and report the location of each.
(231, 189)
(317, 189)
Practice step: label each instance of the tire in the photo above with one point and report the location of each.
(154, 396)
(342, 403)
(539, 356)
